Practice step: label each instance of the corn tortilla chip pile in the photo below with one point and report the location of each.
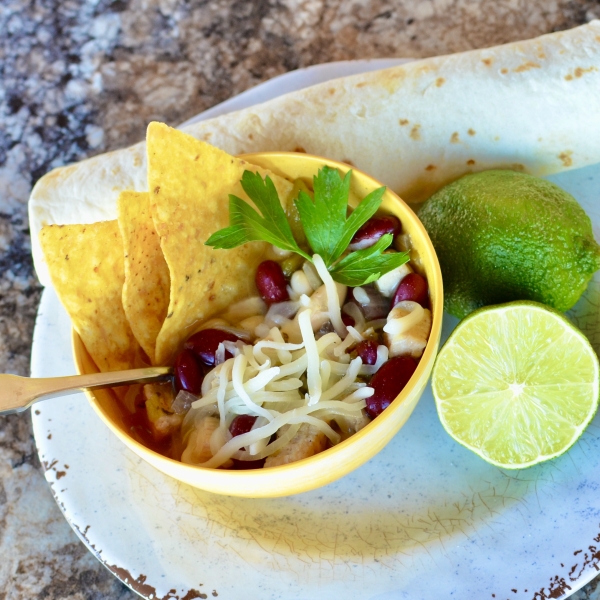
(147, 280)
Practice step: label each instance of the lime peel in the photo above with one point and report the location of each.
(516, 383)
(502, 236)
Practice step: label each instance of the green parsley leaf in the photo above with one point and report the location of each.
(324, 219)
(359, 216)
(368, 265)
(247, 225)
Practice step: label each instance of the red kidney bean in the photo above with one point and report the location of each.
(271, 282)
(246, 465)
(388, 382)
(372, 230)
(412, 287)
(326, 328)
(378, 306)
(348, 320)
(241, 424)
(204, 344)
(188, 372)
(367, 350)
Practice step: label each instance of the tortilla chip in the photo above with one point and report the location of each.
(146, 289)
(86, 267)
(190, 182)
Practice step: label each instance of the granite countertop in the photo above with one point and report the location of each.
(82, 77)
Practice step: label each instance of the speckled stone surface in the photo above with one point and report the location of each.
(80, 78)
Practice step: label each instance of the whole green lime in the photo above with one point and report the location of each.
(503, 236)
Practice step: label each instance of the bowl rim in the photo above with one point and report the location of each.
(423, 370)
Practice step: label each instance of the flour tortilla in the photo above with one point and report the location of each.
(532, 106)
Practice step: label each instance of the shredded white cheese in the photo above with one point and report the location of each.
(289, 377)
(333, 299)
(237, 378)
(397, 325)
(266, 380)
(361, 296)
(313, 373)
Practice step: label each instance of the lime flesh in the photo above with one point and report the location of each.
(516, 383)
(503, 236)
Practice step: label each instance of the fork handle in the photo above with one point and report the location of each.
(19, 393)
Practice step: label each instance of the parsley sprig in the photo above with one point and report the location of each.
(328, 229)
(247, 225)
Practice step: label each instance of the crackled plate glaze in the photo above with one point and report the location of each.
(423, 520)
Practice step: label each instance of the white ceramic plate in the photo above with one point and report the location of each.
(425, 519)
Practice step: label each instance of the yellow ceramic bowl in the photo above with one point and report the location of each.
(335, 462)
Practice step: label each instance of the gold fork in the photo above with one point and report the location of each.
(19, 393)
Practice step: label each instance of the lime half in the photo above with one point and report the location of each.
(516, 383)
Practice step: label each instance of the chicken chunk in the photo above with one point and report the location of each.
(197, 449)
(159, 400)
(159, 395)
(388, 283)
(411, 342)
(251, 323)
(350, 425)
(308, 441)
